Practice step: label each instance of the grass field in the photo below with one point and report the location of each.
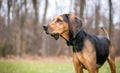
(44, 67)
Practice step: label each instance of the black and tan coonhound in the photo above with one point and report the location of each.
(89, 51)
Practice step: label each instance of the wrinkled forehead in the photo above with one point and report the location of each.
(58, 17)
(64, 17)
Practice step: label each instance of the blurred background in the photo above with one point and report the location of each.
(21, 21)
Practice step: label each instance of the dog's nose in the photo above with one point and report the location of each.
(45, 27)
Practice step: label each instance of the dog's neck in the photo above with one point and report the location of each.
(80, 36)
(65, 35)
(77, 38)
(73, 40)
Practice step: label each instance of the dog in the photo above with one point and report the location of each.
(89, 51)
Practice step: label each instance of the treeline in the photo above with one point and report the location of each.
(21, 22)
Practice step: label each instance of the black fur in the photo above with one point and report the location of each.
(78, 41)
(101, 45)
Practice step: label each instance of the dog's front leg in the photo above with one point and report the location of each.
(77, 65)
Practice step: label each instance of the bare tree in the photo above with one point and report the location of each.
(111, 27)
(45, 12)
(82, 6)
(70, 6)
(35, 6)
(35, 24)
(9, 4)
(0, 4)
(97, 19)
(22, 22)
(75, 7)
(43, 22)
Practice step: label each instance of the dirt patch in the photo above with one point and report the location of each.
(42, 59)
(37, 58)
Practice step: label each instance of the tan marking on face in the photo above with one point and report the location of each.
(58, 25)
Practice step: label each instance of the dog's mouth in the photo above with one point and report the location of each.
(56, 36)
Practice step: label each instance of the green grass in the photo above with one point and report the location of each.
(44, 67)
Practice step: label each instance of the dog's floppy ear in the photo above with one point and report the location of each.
(75, 24)
(65, 17)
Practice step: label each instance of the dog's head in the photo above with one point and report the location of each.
(65, 25)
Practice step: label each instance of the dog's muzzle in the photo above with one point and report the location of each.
(55, 35)
(46, 29)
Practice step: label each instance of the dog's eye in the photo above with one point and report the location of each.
(59, 20)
